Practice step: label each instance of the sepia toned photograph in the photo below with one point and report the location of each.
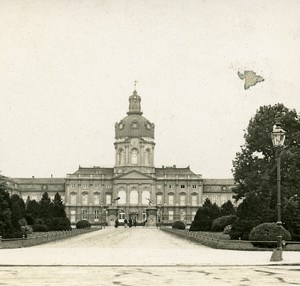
(149, 142)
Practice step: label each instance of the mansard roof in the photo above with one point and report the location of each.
(218, 182)
(96, 170)
(42, 181)
(174, 171)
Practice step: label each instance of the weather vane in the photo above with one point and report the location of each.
(135, 82)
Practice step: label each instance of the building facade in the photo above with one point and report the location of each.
(133, 183)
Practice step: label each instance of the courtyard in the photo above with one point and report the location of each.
(144, 256)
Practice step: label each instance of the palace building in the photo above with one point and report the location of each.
(133, 183)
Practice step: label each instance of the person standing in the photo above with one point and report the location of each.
(130, 222)
(125, 222)
(134, 222)
(116, 223)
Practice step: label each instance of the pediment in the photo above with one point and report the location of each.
(134, 174)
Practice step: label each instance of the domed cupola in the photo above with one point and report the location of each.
(134, 125)
(134, 104)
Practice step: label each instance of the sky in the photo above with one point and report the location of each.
(67, 69)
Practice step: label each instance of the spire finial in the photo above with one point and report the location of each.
(135, 82)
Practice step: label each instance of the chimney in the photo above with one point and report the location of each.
(51, 176)
(174, 166)
(32, 177)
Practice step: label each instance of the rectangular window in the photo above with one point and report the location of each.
(159, 199)
(214, 199)
(171, 200)
(194, 186)
(108, 186)
(121, 216)
(52, 197)
(171, 186)
(73, 216)
(97, 186)
(182, 186)
(108, 199)
(223, 200)
(159, 187)
(73, 199)
(96, 199)
(73, 186)
(63, 198)
(85, 199)
(96, 217)
(34, 197)
(24, 197)
(84, 214)
(85, 186)
(171, 215)
(194, 200)
(182, 200)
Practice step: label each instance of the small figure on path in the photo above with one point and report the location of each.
(125, 222)
(134, 222)
(130, 222)
(117, 223)
(145, 221)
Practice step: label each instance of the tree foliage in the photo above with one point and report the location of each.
(254, 167)
(205, 216)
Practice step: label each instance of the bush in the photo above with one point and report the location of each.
(83, 224)
(267, 232)
(178, 224)
(227, 229)
(40, 227)
(26, 229)
(30, 219)
(58, 223)
(221, 222)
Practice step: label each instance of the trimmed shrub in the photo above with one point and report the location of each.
(221, 222)
(59, 223)
(267, 232)
(178, 224)
(83, 224)
(40, 227)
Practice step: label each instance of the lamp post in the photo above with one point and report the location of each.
(101, 223)
(278, 136)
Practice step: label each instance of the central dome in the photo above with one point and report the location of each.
(134, 125)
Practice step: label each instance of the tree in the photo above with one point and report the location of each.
(33, 209)
(254, 168)
(58, 206)
(227, 209)
(46, 207)
(17, 210)
(205, 216)
(7, 230)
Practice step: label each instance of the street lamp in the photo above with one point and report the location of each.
(278, 136)
(101, 205)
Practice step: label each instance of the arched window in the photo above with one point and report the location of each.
(121, 157)
(134, 156)
(145, 197)
(147, 157)
(133, 197)
(122, 196)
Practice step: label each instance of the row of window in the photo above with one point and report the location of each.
(86, 186)
(121, 216)
(133, 198)
(97, 186)
(38, 198)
